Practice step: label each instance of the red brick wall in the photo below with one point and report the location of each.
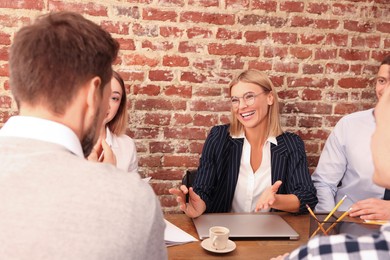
(177, 57)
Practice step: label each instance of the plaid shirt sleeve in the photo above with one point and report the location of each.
(374, 246)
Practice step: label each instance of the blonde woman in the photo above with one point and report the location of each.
(113, 134)
(250, 165)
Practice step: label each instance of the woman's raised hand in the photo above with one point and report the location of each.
(267, 198)
(195, 206)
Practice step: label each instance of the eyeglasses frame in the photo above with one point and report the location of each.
(252, 102)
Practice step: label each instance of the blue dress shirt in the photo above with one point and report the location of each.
(345, 166)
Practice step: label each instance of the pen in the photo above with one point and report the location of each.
(188, 184)
(376, 222)
(101, 157)
(331, 213)
(335, 208)
(314, 216)
(338, 220)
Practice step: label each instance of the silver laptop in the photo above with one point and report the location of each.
(246, 225)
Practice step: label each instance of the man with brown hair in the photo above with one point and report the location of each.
(370, 246)
(54, 204)
(346, 167)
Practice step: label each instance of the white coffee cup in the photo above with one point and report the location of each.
(219, 237)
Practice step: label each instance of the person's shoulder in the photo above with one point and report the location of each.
(290, 136)
(221, 128)
(124, 138)
(357, 116)
(219, 131)
(125, 188)
(360, 120)
(290, 140)
(117, 182)
(105, 170)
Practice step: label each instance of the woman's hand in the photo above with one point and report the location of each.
(195, 206)
(102, 152)
(285, 202)
(108, 154)
(268, 198)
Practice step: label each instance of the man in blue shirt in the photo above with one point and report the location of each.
(345, 166)
(376, 245)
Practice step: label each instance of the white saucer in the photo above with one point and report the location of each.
(206, 244)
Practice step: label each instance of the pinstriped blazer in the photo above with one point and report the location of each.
(219, 166)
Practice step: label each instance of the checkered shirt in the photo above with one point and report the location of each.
(372, 247)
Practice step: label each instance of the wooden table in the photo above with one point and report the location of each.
(246, 249)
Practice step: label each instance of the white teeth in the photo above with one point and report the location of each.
(247, 114)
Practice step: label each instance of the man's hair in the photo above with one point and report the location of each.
(118, 124)
(264, 83)
(52, 58)
(386, 60)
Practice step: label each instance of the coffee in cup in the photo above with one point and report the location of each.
(219, 237)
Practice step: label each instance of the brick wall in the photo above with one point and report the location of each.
(178, 56)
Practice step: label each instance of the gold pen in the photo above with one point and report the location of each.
(338, 220)
(376, 222)
(330, 214)
(314, 216)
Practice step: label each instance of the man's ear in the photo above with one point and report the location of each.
(94, 93)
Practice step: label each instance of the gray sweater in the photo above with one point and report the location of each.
(55, 205)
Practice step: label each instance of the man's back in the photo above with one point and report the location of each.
(55, 205)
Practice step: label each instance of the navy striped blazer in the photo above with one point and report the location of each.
(219, 166)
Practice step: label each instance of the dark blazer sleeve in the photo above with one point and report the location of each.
(289, 164)
(206, 178)
(217, 174)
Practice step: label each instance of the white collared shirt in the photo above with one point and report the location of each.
(250, 185)
(124, 150)
(42, 130)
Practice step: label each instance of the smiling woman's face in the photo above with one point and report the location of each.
(115, 100)
(251, 116)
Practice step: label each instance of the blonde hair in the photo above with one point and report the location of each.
(262, 80)
(118, 124)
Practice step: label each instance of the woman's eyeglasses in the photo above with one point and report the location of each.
(249, 99)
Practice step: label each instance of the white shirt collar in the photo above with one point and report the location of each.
(43, 130)
(111, 141)
(108, 136)
(271, 139)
